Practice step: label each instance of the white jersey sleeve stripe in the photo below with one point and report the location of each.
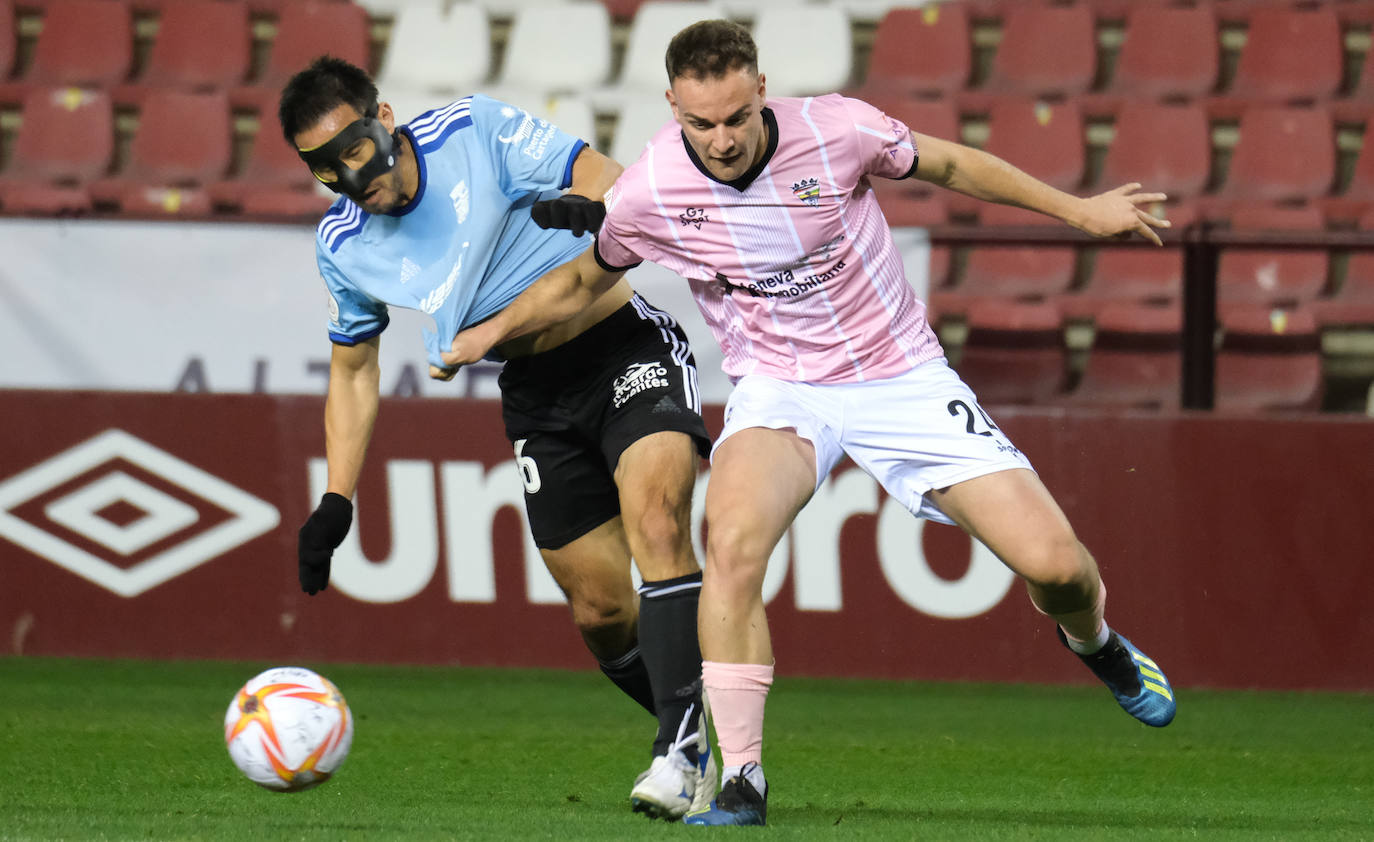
(869, 131)
(433, 127)
(333, 231)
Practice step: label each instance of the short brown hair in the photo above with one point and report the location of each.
(320, 88)
(708, 49)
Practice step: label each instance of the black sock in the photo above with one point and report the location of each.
(628, 673)
(668, 639)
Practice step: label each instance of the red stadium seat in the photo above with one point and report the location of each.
(306, 30)
(273, 181)
(66, 139)
(1268, 360)
(937, 118)
(1045, 51)
(1136, 275)
(1110, 10)
(1166, 148)
(1358, 105)
(1135, 361)
(1359, 12)
(1358, 196)
(1187, 68)
(1043, 139)
(87, 43)
(1290, 54)
(200, 45)
(923, 51)
(182, 143)
(153, 200)
(917, 211)
(1272, 278)
(1239, 11)
(1013, 353)
(1283, 154)
(8, 38)
(1353, 303)
(1047, 142)
(1021, 272)
(622, 10)
(311, 28)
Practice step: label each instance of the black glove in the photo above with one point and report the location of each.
(323, 531)
(577, 214)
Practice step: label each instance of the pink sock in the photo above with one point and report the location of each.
(737, 693)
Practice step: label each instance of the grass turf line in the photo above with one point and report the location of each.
(133, 750)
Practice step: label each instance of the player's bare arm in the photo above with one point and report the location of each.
(565, 294)
(350, 411)
(1117, 212)
(593, 174)
(580, 209)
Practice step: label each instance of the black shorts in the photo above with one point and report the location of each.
(572, 410)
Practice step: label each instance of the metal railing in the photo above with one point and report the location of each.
(1201, 244)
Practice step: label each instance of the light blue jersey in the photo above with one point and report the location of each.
(465, 246)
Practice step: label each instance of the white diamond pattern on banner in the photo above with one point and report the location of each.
(163, 515)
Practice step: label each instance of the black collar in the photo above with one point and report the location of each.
(770, 125)
(420, 174)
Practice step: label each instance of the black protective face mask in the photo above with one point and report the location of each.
(350, 182)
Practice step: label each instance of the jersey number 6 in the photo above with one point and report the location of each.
(529, 472)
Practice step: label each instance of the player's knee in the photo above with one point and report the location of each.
(735, 553)
(1058, 562)
(602, 615)
(663, 533)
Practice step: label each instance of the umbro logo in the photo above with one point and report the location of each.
(125, 515)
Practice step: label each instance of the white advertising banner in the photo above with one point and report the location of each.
(233, 307)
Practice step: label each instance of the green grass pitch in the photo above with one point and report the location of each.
(134, 750)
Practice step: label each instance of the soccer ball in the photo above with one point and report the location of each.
(288, 729)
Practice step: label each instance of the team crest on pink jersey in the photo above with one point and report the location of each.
(808, 190)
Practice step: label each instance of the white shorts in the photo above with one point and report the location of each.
(912, 433)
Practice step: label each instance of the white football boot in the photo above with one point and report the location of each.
(674, 785)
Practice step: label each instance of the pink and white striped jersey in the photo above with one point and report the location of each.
(792, 265)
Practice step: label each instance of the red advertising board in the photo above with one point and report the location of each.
(1235, 549)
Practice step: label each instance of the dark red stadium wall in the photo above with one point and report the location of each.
(1236, 550)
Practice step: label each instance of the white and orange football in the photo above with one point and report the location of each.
(288, 729)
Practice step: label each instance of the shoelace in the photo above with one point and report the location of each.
(1114, 665)
(684, 741)
(739, 792)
